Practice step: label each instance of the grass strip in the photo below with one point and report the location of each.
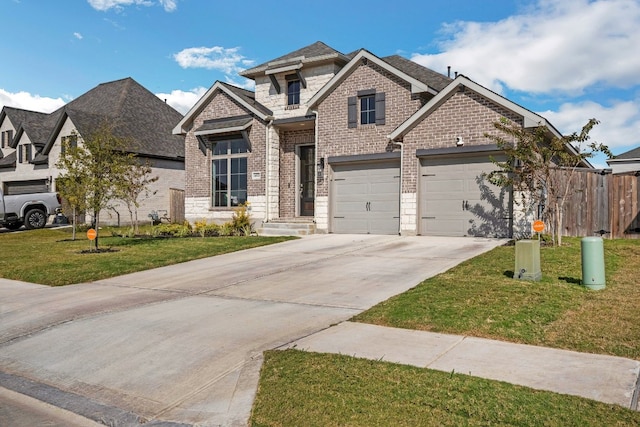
(309, 389)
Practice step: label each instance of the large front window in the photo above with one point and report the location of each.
(229, 172)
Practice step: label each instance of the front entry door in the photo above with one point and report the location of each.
(307, 180)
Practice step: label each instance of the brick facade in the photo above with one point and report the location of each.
(198, 179)
(334, 136)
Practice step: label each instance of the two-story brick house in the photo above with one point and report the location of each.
(351, 144)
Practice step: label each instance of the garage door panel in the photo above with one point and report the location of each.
(462, 203)
(365, 198)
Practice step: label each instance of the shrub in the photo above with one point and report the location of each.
(173, 230)
(241, 221)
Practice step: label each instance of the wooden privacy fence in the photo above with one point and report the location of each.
(176, 205)
(602, 201)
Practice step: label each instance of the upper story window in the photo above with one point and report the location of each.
(367, 110)
(6, 138)
(70, 141)
(371, 106)
(229, 172)
(24, 153)
(293, 89)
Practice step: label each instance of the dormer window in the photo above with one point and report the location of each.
(7, 138)
(293, 89)
(24, 153)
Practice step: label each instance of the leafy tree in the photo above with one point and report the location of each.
(135, 184)
(72, 190)
(541, 166)
(99, 164)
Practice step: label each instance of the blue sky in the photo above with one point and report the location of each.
(569, 60)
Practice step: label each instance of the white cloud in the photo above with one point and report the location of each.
(183, 100)
(619, 126)
(557, 45)
(29, 101)
(77, 35)
(227, 60)
(104, 5)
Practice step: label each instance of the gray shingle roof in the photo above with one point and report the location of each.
(33, 123)
(631, 154)
(317, 50)
(136, 114)
(8, 161)
(249, 97)
(224, 123)
(425, 75)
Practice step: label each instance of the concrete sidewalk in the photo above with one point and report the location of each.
(606, 379)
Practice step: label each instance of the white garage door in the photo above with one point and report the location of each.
(365, 198)
(456, 200)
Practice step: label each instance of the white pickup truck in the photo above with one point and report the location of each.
(32, 210)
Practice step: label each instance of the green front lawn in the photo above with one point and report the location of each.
(310, 389)
(49, 257)
(480, 298)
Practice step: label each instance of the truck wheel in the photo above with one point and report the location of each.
(35, 218)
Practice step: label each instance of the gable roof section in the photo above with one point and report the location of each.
(136, 113)
(417, 86)
(315, 52)
(530, 119)
(427, 76)
(8, 161)
(244, 97)
(627, 156)
(26, 121)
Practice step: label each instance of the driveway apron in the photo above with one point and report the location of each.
(183, 344)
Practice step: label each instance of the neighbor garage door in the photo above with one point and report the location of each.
(26, 187)
(365, 198)
(455, 199)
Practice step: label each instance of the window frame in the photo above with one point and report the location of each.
(368, 115)
(230, 158)
(293, 82)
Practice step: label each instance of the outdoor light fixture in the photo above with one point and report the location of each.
(459, 141)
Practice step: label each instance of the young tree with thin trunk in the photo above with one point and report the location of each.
(98, 163)
(534, 159)
(135, 187)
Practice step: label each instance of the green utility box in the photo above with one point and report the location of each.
(527, 260)
(593, 263)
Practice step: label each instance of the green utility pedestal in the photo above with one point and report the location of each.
(593, 263)
(528, 260)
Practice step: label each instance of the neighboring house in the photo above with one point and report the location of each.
(351, 144)
(628, 162)
(30, 142)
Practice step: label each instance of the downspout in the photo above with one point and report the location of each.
(400, 184)
(315, 184)
(267, 165)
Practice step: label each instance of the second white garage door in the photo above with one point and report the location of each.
(365, 198)
(455, 200)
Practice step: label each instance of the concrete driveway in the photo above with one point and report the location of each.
(183, 344)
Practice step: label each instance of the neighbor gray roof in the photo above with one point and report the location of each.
(9, 161)
(317, 51)
(135, 113)
(629, 155)
(34, 123)
(425, 75)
